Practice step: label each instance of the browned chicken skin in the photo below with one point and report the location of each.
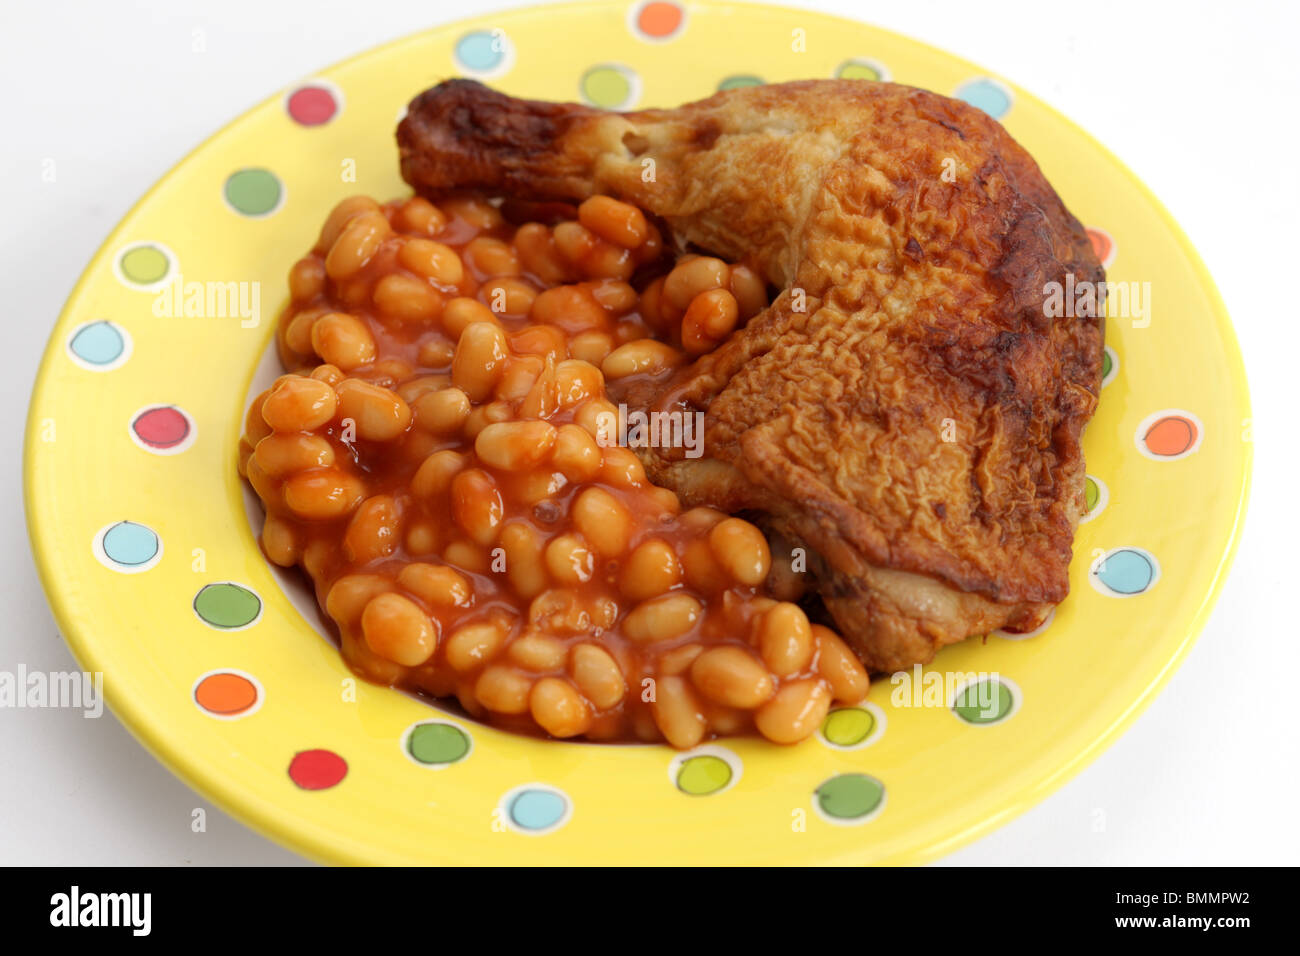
(905, 410)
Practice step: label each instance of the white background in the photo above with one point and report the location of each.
(1200, 99)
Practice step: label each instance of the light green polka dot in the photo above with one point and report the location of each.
(848, 726)
(703, 775)
(144, 265)
(984, 702)
(858, 70)
(606, 86)
(742, 80)
(1092, 493)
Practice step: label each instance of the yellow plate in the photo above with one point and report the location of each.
(139, 530)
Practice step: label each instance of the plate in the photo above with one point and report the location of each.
(139, 528)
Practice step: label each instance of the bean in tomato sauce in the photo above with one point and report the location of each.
(438, 460)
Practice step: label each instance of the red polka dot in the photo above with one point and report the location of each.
(659, 19)
(163, 427)
(312, 105)
(317, 769)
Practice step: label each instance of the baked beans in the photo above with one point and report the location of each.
(440, 461)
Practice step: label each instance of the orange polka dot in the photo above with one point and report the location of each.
(225, 694)
(1102, 244)
(1171, 436)
(659, 19)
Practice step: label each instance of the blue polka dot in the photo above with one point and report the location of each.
(99, 343)
(1126, 571)
(480, 51)
(538, 809)
(987, 95)
(130, 544)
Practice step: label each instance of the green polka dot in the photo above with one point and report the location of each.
(848, 726)
(144, 265)
(972, 704)
(858, 70)
(1106, 364)
(437, 743)
(736, 82)
(703, 775)
(254, 192)
(227, 605)
(850, 796)
(606, 86)
(1092, 494)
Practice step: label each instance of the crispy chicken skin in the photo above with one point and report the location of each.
(905, 409)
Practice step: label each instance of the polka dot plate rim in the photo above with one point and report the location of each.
(155, 577)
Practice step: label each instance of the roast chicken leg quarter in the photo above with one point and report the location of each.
(907, 411)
